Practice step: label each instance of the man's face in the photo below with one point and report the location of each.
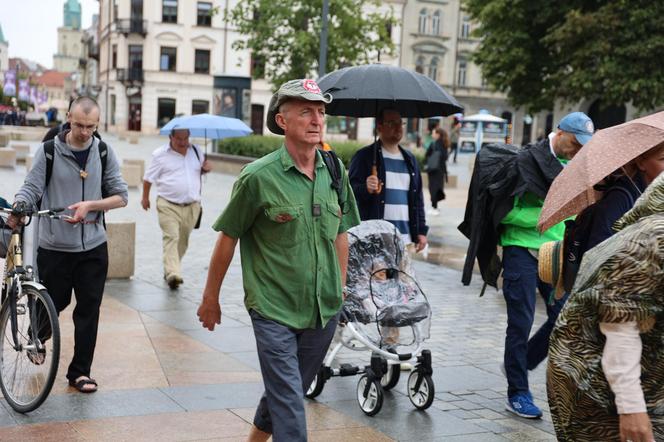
(302, 121)
(390, 130)
(180, 139)
(82, 124)
(565, 145)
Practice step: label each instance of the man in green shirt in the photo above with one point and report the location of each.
(520, 241)
(291, 224)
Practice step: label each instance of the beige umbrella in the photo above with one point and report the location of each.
(608, 150)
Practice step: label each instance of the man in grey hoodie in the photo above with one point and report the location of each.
(73, 255)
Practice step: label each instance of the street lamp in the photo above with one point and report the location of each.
(322, 59)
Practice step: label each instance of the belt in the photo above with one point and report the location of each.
(179, 204)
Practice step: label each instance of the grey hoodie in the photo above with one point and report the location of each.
(68, 187)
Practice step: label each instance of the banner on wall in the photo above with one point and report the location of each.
(23, 90)
(9, 87)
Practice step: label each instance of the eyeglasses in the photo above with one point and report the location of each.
(80, 126)
(394, 124)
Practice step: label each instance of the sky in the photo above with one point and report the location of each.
(31, 26)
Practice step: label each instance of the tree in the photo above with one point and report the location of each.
(284, 37)
(538, 51)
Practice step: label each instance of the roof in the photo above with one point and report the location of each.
(53, 78)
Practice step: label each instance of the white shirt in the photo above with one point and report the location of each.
(621, 363)
(177, 177)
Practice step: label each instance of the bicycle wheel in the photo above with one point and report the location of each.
(27, 372)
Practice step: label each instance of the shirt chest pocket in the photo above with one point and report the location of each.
(331, 219)
(287, 225)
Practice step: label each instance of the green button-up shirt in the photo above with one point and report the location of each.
(287, 225)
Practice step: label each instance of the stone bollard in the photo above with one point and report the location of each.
(132, 175)
(452, 181)
(7, 157)
(133, 137)
(134, 161)
(4, 139)
(121, 249)
(22, 151)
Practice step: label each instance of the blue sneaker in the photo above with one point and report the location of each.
(522, 405)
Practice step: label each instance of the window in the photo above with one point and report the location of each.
(203, 14)
(257, 69)
(165, 111)
(200, 107)
(419, 65)
(114, 56)
(202, 61)
(465, 27)
(169, 11)
(422, 27)
(433, 69)
(168, 59)
(461, 75)
(435, 23)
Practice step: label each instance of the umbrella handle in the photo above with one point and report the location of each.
(374, 172)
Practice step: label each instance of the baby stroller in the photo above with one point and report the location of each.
(385, 312)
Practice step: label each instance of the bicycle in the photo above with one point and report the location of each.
(29, 328)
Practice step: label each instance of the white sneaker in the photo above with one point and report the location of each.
(434, 212)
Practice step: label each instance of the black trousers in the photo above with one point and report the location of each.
(85, 274)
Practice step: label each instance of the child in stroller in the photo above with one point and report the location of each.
(385, 312)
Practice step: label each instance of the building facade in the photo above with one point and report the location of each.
(4, 53)
(438, 42)
(162, 58)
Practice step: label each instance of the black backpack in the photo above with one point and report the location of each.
(575, 244)
(49, 153)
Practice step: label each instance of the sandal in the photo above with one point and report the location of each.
(82, 382)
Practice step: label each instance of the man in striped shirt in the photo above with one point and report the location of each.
(395, 192)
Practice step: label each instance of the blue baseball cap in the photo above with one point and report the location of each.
(579, 124)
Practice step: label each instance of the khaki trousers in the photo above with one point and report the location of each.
(176, 224)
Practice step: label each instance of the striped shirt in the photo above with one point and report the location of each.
(397, 184)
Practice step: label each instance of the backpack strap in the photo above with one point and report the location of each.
(49, 153)
(331, 161)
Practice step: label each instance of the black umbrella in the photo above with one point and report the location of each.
(360, 91)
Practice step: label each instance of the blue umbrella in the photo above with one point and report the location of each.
(209, 126)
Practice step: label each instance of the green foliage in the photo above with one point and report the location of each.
(256, 146)
(284, 37)
(539, 51)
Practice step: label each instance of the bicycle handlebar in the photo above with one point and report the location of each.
(24, 211)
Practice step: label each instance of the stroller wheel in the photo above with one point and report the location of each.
(316, 386)
(391, 376)
(420, 390)
(369, 395)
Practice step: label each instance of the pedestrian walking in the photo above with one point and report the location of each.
(176, 169)
(394, 192)
(83, 175)
(291, 224)
(605, 377)
(436, 167)
(520, 240)
(455, 132)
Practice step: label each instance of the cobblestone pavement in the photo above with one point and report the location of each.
(199, 375)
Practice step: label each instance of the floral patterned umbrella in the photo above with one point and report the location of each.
(608, 150)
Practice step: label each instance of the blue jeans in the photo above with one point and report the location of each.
(289, 361)
(520, 283)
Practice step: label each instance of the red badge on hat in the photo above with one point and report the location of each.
(311, 86)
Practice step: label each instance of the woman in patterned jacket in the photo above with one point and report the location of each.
(605, 377)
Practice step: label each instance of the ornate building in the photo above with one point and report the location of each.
(70, 45)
